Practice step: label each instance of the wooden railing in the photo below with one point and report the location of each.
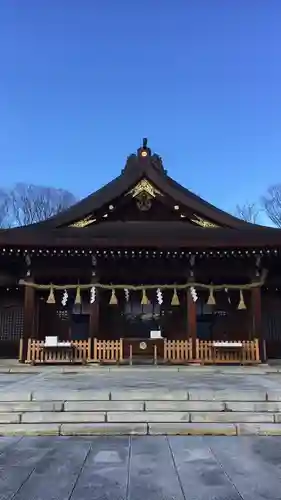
(206, 352)
(80, 352)
(111, 351)
(107, 351)
(178, 351)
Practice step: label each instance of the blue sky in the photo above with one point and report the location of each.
(81, 82)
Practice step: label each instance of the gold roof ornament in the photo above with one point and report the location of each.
(202, 222)
(84, 222)
(144, 186)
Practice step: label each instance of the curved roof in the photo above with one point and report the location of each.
(224, 230)
(139, 167)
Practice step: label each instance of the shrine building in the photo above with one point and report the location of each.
(142, 269)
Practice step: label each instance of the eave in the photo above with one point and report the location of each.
(144, 235)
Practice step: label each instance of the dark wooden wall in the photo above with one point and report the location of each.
(223, 320)
(11, 323)
(271, 323)
(134, 320)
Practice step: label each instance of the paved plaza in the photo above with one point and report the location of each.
(59, 380)
(140, 468)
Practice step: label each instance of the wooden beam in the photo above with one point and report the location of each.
(28, 318)
(256, 312)
(257, 320)
(154, 268)
(54, 272)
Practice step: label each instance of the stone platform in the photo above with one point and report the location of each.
(137, 468)
(138, 401)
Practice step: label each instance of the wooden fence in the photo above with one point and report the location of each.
(79, 352)
(207, 352)
(177, 351)
(107, 351)
(21, 356)
(111, 351)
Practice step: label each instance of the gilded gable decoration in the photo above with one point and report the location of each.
(202, 222)
(144, 186)
(144, 201)
(144, 193)
(84, 222)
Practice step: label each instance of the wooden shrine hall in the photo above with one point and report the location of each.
(142, 270)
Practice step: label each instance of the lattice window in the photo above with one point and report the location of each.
(62, 314)
(11, 323)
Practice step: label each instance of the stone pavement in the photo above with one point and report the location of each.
(139, 400)
(140, 468)
(59, 380)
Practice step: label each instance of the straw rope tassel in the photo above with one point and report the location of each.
(241, 304)
(144, 300)
(175, 299)
(51, 299)
(113, 299)
(211, 300)
(78, 296)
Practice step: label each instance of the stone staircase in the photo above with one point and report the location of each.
(140, 412)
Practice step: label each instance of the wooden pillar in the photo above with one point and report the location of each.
(256, 319)
(94, 315)
(191, 320)
(256, 312)
(28, 318)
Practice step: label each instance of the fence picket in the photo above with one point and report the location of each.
(249, 353)
(177, 351)
(36, 353)
(107, 351)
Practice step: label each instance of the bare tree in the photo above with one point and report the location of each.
(29, 204)
(248, 212)
(272, 204)
(4, 209)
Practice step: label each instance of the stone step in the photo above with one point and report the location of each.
(26, 406)
(136, 395)
(161, 428)
(61, 417)
(140, 411)
(139, 406)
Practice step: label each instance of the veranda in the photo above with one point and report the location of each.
(155, 348)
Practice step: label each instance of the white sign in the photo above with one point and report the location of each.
(51, 341)
(155, 334)
(227, 344)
